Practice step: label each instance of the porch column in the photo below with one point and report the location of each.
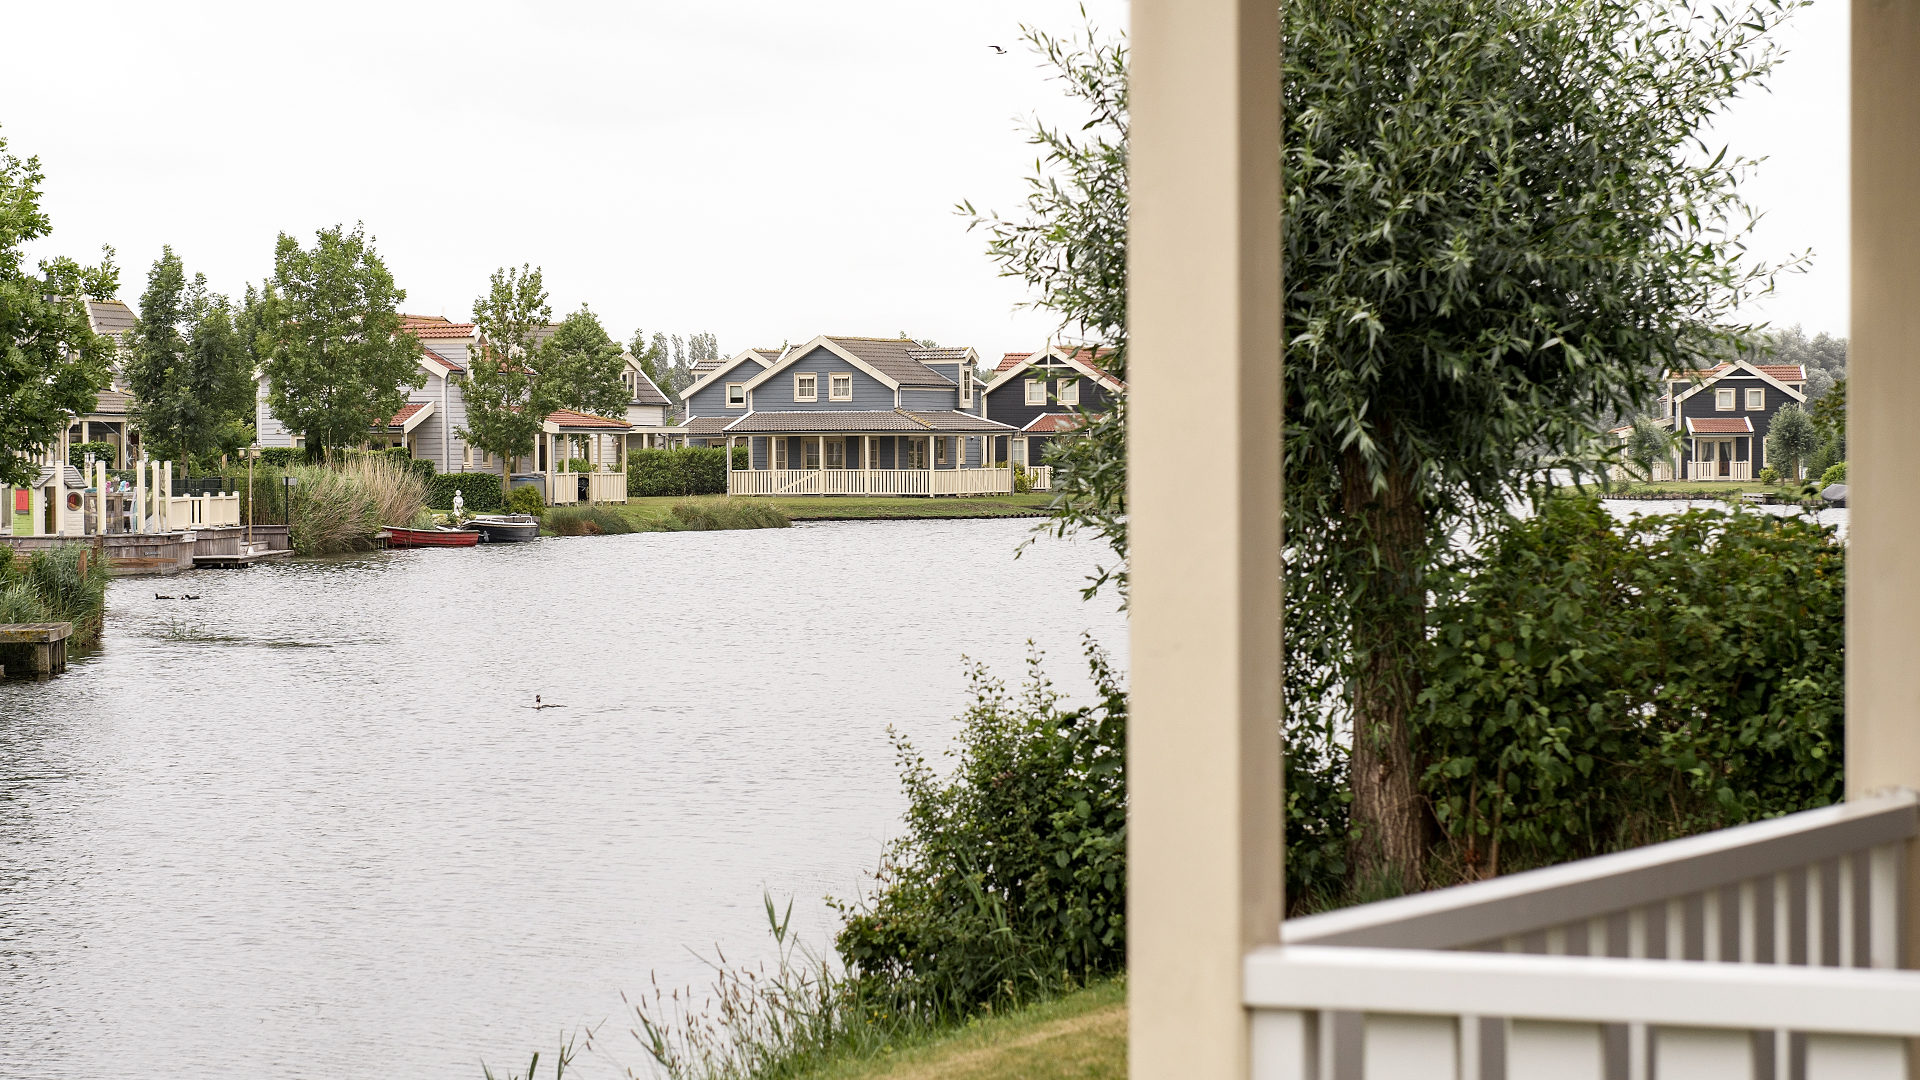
(1883, 576)
(1203, 754)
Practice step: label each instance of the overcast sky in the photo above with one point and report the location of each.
(765, 170)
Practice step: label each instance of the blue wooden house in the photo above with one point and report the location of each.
(841, 415)
(1721, 415)
(1043, 396)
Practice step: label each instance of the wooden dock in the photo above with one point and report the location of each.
(229, 547)
(48, 642)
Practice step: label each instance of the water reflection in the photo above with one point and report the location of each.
(310, 823)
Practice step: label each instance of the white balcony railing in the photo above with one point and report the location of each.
(603, 486)
(870, 481)
(1763, 951)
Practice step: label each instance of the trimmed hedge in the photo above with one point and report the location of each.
(690, 470)
(478, 490)
(279, 457)
(102, 451)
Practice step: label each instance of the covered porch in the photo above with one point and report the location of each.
(870, 453)
(1783, 949)
(568, 438)
(1721, 449)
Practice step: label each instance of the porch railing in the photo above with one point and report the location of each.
(1042, 476)
(1759, 951)
(563, 488)
(869, 481)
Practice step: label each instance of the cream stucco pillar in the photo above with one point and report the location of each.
(1883, 574)
(1203, 755)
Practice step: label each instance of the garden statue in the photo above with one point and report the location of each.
(459, 503)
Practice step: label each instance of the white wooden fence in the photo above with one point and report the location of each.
(202, 511)
(1042, 477)
(1763, 952)
(870, 481)
(563, 488)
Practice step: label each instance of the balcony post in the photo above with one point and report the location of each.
(1883, 560)
(1203, 754)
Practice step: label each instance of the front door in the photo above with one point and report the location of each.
(1726, 457)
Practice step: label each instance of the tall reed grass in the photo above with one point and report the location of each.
(333, 508)
(62, 584)
(694, 515)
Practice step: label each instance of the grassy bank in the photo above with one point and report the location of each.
(700, 514)
(1728, 490)
(1079, 1036)
(855, 508)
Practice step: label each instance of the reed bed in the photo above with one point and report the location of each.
(62, 584)
(716, 513)
(333, 508)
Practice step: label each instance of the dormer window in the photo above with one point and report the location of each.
(1723, 400)
(1069, 392)
(736, 395)
(1756, 400)
(840, 386)
(966, 386)
(1036, 391)
(806, 386)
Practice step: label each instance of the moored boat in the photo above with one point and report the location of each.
(506, 528)
(440, 536)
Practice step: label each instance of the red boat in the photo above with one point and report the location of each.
(436, 537)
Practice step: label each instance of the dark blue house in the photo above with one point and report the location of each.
(1043, 395)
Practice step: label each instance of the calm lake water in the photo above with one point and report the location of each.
(310, 824)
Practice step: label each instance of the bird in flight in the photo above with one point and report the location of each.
(997, 49)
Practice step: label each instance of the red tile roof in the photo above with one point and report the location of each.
(406, 413)
(1786, 373)
(1719, 425)
(1083, 355)
(1012, 360)
(441, 361)
(569, 419)
(426, 331)
(1053, 423)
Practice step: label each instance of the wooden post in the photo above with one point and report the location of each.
(1883, 578)
(1203, 753)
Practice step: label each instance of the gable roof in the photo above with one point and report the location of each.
(433, 327)
(1783, 372)
(719, 372)
(1741, 367)
(644, 390)
(903, 362)
(1013, 365)
(110, 317)
(1053, 423)
(437, 364)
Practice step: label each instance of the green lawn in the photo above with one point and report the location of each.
(853, 508)
(1702, 489)
(1082, 1036)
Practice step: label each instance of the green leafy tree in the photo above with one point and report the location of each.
(507, 400)
(585, 365)
(1499, 218)
(52, 364)
(336, 360)
(1792, 439)
(190, 374)
(1647, 443)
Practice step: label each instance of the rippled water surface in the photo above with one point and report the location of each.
(310, 824)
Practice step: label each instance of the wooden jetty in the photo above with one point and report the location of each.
(229, 547)
(47, 640)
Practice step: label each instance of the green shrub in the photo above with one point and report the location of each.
(714, 513)
(688, 470)
(1835, 474)
(21, 603)
(526, 499)
(479, 492)
(61, 584)
(579, 464)
(587, 520)
(1769, 475)
(280, 457)
(101, 451)
(1594, 685)
(1010, 880)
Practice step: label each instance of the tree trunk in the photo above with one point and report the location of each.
(1388, 620)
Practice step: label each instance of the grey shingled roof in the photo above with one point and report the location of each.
(110, 317)
(894, 358)
(939, 356)
(708, 425)
(896, 420)
(644, 392)
(111, 403)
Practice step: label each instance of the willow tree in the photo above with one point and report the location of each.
(1499, 215)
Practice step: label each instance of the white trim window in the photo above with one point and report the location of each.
(939, 449)
(1723, 400)
(840, 386)
(916, 454)
(836, 453)
(1019, 453)
(1036, 391)
(810, 453)
(873, 453)
(1068, 392)
(736, 395)
(806, 386)
(1756, 399)
(966, 386)
(779, 452)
